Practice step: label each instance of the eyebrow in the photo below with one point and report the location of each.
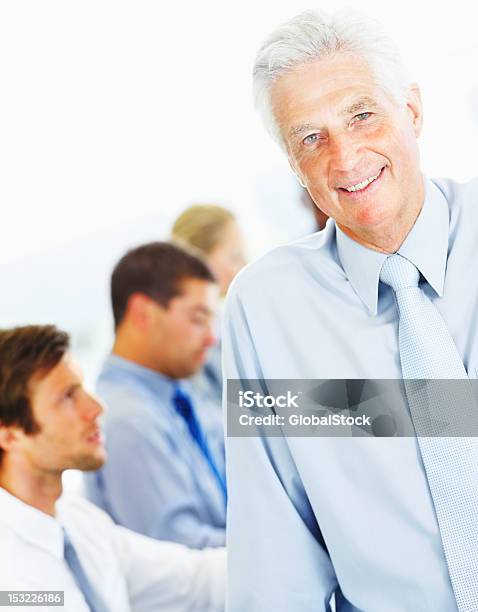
(202, 310)
(296, 130)
(359, 105)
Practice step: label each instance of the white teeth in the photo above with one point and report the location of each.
(363, 184)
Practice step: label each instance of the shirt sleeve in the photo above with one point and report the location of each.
(170, 577)
(277, 559)
(150, 490)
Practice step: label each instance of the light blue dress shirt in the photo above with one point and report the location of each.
(208, 381)
(310, 517)
(156, 480)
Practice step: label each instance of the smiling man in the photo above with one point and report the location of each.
(382, 292)
(165, 474)
(48, 424)
(352, 147)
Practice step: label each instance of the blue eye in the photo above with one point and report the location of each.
(362, 116)
(311, 139)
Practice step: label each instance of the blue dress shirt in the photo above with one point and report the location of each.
(346, 516)
(208, 381)
(157, 480)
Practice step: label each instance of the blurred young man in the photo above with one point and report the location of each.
(214, 232)
(165, 473)
(48, 424)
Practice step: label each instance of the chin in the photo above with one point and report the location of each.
(91, 463)
(374, 215)
(190, 372)
(190, 369)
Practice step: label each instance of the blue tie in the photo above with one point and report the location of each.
(182, 403)
(428, 352)
(92, 598)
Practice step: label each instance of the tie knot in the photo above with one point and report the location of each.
(182, 401)
(399, 273)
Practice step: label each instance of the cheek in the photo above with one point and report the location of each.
(185, 337)
(218, 270)
(403, 147)
(223, 272)
(309, 166)
(172, 345)
(47, 444)
(315, 173)
(216, 263)
(230, 270)
(324, 199)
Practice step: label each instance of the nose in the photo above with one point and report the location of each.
(209, 337)
(93, 408)
(344, 152)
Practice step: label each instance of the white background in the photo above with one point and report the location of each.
(116, 116)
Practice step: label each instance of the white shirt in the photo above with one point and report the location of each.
(131, 572)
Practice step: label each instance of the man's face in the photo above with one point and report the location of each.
(69, 435)
(350, 143)
(181, 333)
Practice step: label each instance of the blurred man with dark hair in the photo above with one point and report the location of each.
(165, 474)
(48, 424)
(214, 233)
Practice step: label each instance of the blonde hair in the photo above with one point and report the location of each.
(200, 226)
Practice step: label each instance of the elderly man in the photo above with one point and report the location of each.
(48, 424)
(378, 525)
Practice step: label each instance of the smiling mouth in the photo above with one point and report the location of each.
(362, 185)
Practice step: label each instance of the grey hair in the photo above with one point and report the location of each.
(312, 36)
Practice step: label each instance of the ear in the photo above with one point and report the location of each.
(415, 108)
(296, 171)
(140, 310)
(9, 437)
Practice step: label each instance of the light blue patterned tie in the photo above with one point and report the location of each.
(92, 598)
(428, 353)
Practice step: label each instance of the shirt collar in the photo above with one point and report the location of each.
(426, 246)
(31, 524)
(157, 382)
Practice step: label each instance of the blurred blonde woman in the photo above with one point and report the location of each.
(215, 234)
